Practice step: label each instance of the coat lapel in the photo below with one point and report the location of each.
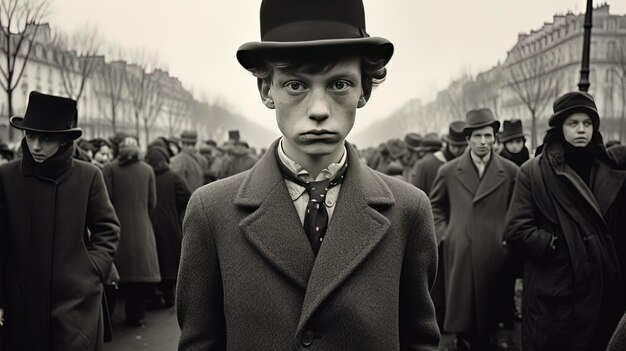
(581, 187)
(494, 177)
(607, 185)
(466, 173)
(355, 229)
(273, 228)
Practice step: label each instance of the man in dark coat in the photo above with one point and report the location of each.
(310, 248)
(188, 163)
(131, 186)
(173, 195)
(426, 169)
(567, 220)
(469, 197)
(240, 159)
(513, 140)
(413, 143)
(58, 236)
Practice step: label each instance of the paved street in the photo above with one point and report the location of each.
(160, 332)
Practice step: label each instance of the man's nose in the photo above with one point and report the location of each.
(318, 105)
(36, 144)
(581, 128)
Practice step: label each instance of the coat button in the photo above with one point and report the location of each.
(306, 340)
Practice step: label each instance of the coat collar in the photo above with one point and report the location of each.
(493, 177)
(275, 231)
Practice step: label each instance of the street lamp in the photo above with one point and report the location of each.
(584, 84)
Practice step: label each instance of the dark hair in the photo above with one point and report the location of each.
(373, 72)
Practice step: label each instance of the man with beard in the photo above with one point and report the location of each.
(567, 221)
(426, 169)
(513, 140)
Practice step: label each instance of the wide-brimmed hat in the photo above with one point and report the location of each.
(189, 136)
(572, 102)
(413, 141)
(480, 118)
(49, 114)
(455, 134)
(304, 28)
(511, 130)
(431, 142)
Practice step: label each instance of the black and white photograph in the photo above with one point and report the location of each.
(312, 175)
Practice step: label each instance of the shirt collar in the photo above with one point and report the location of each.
(327, 173)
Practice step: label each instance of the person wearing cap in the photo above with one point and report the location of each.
(426, 169)
(469, 197)
(413, 143)
(396, 151)
(51, 271)
(513, 138)
(310, 248)
(240, 159)
(567, 220)
(188, 163)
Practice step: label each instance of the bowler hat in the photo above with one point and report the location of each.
(455, 134)
(511, 130)
(572, 102)
(431, 142)
(49, 114)
(413, 141)
(480, 118)
(396, 148)
(189, 136)
(301, 28)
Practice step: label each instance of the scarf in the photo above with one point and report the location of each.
(52, 168)
(518, 158)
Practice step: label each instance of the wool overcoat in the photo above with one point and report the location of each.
(249, 280)
(469, 216)
(132, 191)
(425, 171)
(51, 284)
(191, 167)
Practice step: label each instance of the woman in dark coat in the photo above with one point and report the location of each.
(51, 268)
(566, 219)
(132, 190)
(173, 195)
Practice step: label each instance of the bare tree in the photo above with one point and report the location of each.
(154, 103)
(111, 78)
(74, 57)
(19, 23)
(177, 109)
(532, 83)
(619, 58)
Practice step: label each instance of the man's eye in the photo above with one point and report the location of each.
(341, 85)
(295, 86)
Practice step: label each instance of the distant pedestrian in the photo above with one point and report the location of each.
(240, 159)
(189, 164)
(567, 220)
(131, 186)
(172, 197)
(470, 197)
(413, 143)
(58, 236)
(513, 139)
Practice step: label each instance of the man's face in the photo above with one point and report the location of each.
(104, 154)
(578, 129)
(481, 141)
(42, 146)
(315, 111)
(514, 146)
(456, 150)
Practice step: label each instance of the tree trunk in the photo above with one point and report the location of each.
(621, 121)
(10, 113)
(147, 131)
(137, 127)
(533, 130)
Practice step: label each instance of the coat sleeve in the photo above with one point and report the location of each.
(440, 202)
(181, 192)
(152, 194)
(107, 172)
(199, 292)
(419, 176)
(522, 232)
(103, 225)
(418, 325)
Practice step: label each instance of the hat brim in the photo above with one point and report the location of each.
(495, 124)
(414, 148)
(18, 123)
(558, 117)
(507, 138)
(447, 140)
(254, 54)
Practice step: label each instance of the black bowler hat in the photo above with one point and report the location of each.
(431, 142)
(413, 141)
(49, 114)
(511, 130)
(480, 118)
(570, 103)
(301, 28)
(455, 134)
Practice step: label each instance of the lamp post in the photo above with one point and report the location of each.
(584, 84)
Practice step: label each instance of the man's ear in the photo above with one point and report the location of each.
(266, 95)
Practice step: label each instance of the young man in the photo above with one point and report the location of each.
(58, 236)
(470, 196)
(567, 221)
(310, 248)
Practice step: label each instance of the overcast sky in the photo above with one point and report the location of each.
(434, 40)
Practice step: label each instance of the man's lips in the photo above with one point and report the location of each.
(319, 132)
